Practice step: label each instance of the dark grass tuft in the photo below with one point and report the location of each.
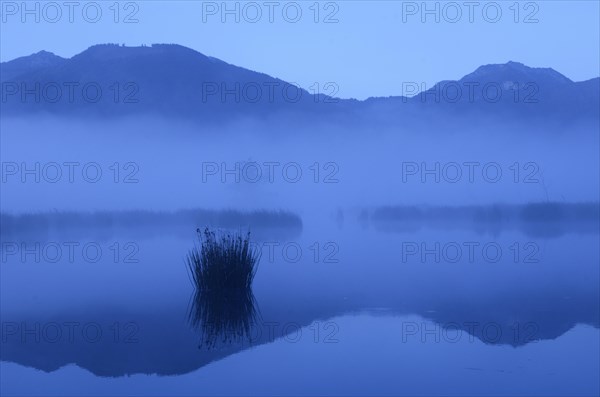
(223, 262)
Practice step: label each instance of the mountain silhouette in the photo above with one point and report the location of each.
(29, 64)
(170, 80)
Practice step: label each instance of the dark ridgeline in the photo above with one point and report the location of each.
(166, 80)
(173, 81)
(222, 269)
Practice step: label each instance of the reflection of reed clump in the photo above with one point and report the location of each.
(223, 317)
(222, 270)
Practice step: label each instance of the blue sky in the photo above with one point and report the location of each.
(371, 50)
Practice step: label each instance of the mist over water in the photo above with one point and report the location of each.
(116, 165)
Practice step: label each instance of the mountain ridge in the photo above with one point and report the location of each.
(175, 80)
(102, 49)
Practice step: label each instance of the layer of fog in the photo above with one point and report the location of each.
(174, 165)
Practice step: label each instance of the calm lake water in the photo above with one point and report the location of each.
(343, 304)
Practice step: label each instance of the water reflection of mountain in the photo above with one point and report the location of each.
(158, 339)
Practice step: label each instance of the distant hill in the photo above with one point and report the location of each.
(174, 81)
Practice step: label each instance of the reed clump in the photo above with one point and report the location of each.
(223, 262)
